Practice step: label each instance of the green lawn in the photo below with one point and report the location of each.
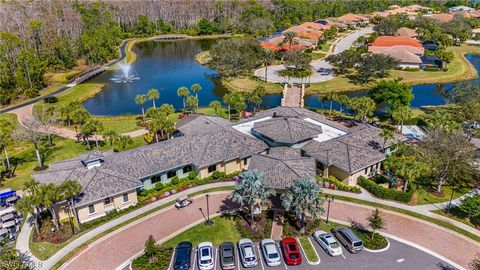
(427, 197)
(308, 249)
(223, 229)
(463, 220)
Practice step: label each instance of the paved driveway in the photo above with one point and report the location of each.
(343, 44)
(117, 248)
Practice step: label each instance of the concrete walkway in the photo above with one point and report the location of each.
(25, 112)
(277, 226)
(421, 209)
(339, 46)
(24, 235)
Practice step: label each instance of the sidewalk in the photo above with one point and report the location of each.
(421, 209)
(26, 112)
(23, 238)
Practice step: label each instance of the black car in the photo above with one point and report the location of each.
(183, 256)
(227, 255)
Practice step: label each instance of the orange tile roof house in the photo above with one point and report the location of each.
(304, 32)
(353, 19)
(440, 17)
(389, 41)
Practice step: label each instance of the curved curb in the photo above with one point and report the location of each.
(379, 250)
(305, 254)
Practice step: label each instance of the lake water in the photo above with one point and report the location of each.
(168, 65)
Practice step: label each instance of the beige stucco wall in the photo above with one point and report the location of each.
(101, 208)
(351, 180)
(339, 174)
(226, 167)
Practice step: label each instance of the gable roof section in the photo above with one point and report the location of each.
(352, 152)
(381, 49)
(200, 124)
(404, 57)
(281, 172)
(440, 17)
(406, 32)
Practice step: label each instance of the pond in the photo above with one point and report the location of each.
(168, 65)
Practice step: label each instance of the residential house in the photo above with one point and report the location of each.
(408, 51)
(461, 9)
(440, 17)
(406, 32)
(353, 20)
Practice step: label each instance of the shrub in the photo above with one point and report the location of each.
(217, 175)
(341, 186)
(470, 206)
(175, 180)
(50, 99)
(412, 69)
(475, 220)
(192, 175)
(385, 193)
(159, 186)
(431, 69)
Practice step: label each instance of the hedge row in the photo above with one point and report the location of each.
(385, 193)
(340, 185)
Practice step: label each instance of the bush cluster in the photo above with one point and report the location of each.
(50, 99)
(340, 186)
(385, 193)
(160, 259)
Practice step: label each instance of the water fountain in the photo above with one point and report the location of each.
(125, 77)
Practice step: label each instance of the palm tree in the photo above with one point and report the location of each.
(304, 198)
(93, 126)
(153, 94)
(70, 189)
(140, 100)
(289, 38)
(50, 195)
(386, 134)
(267, 58)
(26, 205)
(192, 102)
(124, 140)
(322, 99)
(166, 109)
(195, 89)
(111, 136)
(250, 191)
(184, 93)
(331, 96)
(155, 125)
(80, 116)
(402, 114)
(343, 101)
(216, 106)
(65, 110)
(228, 99)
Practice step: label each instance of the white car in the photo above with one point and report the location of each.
(270, 252)
(205, 256)
(328, 243)
(246, 249)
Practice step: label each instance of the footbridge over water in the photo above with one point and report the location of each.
(292, 95)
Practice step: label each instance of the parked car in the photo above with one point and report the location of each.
(348, 238)
(246, 248)
(270, 252)
(328, 243)
(227, 256)
(291, 251)
(183, 255)
(183, 202)
(205, 256)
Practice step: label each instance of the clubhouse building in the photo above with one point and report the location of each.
(285, 143)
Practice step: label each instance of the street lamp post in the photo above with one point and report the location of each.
(329, 200)
(209, 222)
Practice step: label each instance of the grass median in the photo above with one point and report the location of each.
(308, 249)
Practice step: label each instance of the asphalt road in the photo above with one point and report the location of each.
(398, 257)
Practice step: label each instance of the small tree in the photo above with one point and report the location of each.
(31, 134)
(152, 95)
(46, 119)
(151, 248)
(375, 221)
(192, 102)
(124, 140)
(386, 134)
(216, 106)
(111, 136)
(70, 189)
(470, 206)
(6, 132)
(140, 100)
(475, 264)
(184, 93)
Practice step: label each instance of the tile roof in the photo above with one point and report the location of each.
(352, 152)
(200, 124)
(281, 171)
(287, 129)
(120, 172)
(381, 49)
(441, 17)
(406, 32)
(389, 41)
(353, 17)
(314, 25)
(284, 151)
(404, 57)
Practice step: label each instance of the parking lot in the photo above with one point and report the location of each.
(398, 256)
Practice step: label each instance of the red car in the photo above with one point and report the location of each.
(291, 251)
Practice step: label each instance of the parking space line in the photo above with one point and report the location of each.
(194, 259)
(214, 258)
(171, 260)
(260, 256)
(238, 257)
(343, 256)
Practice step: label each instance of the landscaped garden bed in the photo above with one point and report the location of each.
(308, 249)
(333, 183)
(159, 261)
(385, 193)
(260, 229)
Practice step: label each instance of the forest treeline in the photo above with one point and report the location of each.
(37, 37)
